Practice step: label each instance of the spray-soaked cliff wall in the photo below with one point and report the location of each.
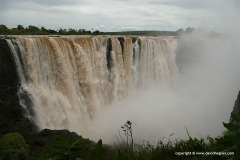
(12, 115)
(65, 80)
(8, 70)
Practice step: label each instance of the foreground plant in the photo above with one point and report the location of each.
(230, 141)
(13, 147)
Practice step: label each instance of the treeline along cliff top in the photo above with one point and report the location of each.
(34, 30)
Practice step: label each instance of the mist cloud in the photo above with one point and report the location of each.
(200, 97)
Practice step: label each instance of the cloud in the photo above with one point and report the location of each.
(57, 2)
(188, 4)
(143, 14)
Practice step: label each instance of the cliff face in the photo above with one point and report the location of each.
(11, 113)
(7, 67)
(236, 108)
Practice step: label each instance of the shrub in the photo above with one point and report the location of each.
(230, 141)
(13, 147)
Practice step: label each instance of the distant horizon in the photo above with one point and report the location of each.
(116, 31)
(142, 30)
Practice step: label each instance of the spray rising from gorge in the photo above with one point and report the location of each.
(200, 96)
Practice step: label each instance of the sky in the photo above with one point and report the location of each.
(120, 15)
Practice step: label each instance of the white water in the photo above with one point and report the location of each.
(200, 97)
(69, 80)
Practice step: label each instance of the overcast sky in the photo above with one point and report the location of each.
(117, 15)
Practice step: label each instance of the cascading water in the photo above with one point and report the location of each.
(68, 79)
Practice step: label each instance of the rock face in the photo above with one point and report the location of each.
(12, 117)
(7, 67)
(236, 108)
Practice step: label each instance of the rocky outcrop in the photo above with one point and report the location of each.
(236, 108)
(12, 117)
(46, 138)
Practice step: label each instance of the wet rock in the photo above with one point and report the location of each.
(236, 108)
(12, 115)
(8, 70)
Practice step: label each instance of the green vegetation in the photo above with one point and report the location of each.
(13, 146)
(230, 140)
(126, 146)
(34, 30)
(64, 149)
(191, 149)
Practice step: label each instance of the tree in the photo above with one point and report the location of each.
(62, 31)
(20, 27)
(80, 31)
(179, 31)
(51, 31)
(230, 141)
(96, 32)
(14, 147)
(3, 29)
(189, 30)
(33, 29)
(72, 31)
(44, 30)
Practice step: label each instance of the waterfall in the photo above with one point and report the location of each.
(66, 80)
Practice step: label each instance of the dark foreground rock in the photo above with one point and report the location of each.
(63, 144)
(45, 139)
